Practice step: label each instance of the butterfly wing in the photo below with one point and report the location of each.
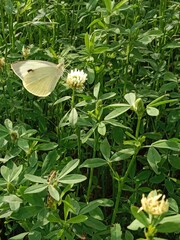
(39, 77)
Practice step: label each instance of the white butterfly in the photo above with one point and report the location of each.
(38, 77)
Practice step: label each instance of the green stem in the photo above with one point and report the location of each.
(117, 201)
(92, 170)
(121, 182)
(73, 98)
(90, 184)
(138, 127)
(78, 142)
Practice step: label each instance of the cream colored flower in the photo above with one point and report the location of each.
(76, 79)
(2, 62)
(154, 203)
(25, 52)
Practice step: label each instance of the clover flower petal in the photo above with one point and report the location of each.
(76, 79)
(154, 203)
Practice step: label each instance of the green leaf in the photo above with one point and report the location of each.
(3, 131)
(96, 90)
(168, 87)
(152, 111)
(100, 49)
(16, 171)
(5, 214)
(128, 235)
(102, 128)
(88, 134)
(11, 174)
(135, 225)
(122, 155)
(140, 216)
(93, 163)
(116, 232)
(162, 103)
(36, 188)
(104, 202)
(69, 168)
(53, 192)
(174, 161)
(26, 212)
(130, 98)
(8, 122)
(115, 113)
(91, 75)
(172, 45)
(169, 224)
(47, 146)
(73, 117)
(95, 224)
(62, 99)
(108, 4)
(23, 144)
(49, 162)
(90, 207)
(35, 235)
(86, 39)
(96, 203)
(19, 236)
(11, 199)
(107, 96)
(34, 178)
(119, 5)
(167, 144)
(97, 213)
(105, 149)
(78, 219)
(115, 123)
(153, 158)
(72, 179)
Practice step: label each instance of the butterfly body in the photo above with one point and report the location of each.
(38, 77)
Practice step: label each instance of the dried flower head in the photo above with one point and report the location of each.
(76, 79)
(154, 203)
(2, 62)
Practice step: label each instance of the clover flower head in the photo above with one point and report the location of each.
(2, 62)
(154, 203)
(25, 52)
(76, 79)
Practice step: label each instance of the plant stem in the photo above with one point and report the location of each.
(138, 127)
(78, 142)
(92, 170)
(73, 98)
(117, 201)
(121, 182)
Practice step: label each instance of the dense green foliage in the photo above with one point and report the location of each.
(75, 164)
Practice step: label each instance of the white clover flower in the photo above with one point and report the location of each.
(154, 203)
(76, 79)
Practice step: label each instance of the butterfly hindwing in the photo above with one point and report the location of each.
(41, 82)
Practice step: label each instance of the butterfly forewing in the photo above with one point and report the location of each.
(39, 77)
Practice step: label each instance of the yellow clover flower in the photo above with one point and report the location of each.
(2, 62)
(154, 203)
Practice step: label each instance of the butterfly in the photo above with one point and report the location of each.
(38, 77)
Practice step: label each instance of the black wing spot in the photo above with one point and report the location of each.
(30, 70)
